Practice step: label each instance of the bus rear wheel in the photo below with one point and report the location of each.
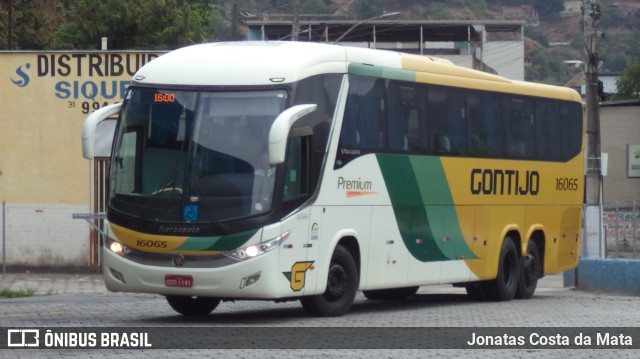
(342, 284)
(192, 306)
(531, 270)
(505, 285)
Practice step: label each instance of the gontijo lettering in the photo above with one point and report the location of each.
(504, 182)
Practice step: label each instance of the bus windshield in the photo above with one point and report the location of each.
(186, 156)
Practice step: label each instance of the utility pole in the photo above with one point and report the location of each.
(295, 24)
(235, 20)
(594, 241)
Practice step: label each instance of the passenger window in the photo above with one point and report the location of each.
(438, 121)
(520, 128)
(362, 127)
(126, 158)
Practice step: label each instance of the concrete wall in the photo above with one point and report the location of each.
(606, 275)
(45, 236)
(620, 126)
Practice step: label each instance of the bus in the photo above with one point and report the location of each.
(307, 171)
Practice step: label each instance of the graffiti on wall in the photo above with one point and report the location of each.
(622, 223)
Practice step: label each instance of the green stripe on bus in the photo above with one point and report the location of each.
(383, 72)
(217, 243)
(436, 196)
(408, 207)
(423, 207)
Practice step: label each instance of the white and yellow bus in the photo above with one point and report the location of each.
(301, 171)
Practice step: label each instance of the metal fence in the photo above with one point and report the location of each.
(622, 229)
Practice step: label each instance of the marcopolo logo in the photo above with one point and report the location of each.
(22, 75)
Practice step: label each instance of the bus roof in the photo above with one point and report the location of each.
(268, 63)
(243, 63)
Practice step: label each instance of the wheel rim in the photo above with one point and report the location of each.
(336, 283)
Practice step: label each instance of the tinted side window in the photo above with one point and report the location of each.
(570, 116)
(363, 128)
(323, 91)
(486, 129)
(407, 117)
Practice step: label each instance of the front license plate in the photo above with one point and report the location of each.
(178, 280)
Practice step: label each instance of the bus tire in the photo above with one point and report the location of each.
(192, 306)
(390, 294)
(530, 267)
(505, 285)
(342, 284)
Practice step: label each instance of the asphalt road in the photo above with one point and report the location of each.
(369, 324)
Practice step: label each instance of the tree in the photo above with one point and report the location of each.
(546, 8)
(316, 7)
(629, 82)
(32, 23)
(148, 24)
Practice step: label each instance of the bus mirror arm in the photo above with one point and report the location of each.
(89, 128)
(280, 130)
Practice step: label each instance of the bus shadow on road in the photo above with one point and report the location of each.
(418, 301)
(267, 312)
(237, 313)
(279, 313)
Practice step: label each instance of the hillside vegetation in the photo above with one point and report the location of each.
(553, 34)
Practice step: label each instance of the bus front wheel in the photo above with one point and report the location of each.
(342, 284)
(505, 285)
(192, 306)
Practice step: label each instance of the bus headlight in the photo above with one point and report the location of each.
(116, 247)
(258, 249)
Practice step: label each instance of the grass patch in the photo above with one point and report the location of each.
(11, 293)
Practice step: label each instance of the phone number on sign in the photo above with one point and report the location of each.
(88, 106)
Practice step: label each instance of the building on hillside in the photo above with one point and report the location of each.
(609, 85)
(572, 8)
(608, 82)
(522, 12)
(620, 141)
(492, 46)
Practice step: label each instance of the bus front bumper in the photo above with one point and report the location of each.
(256, 278)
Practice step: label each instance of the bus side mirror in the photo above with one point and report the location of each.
(89, 128)
(280, 130)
